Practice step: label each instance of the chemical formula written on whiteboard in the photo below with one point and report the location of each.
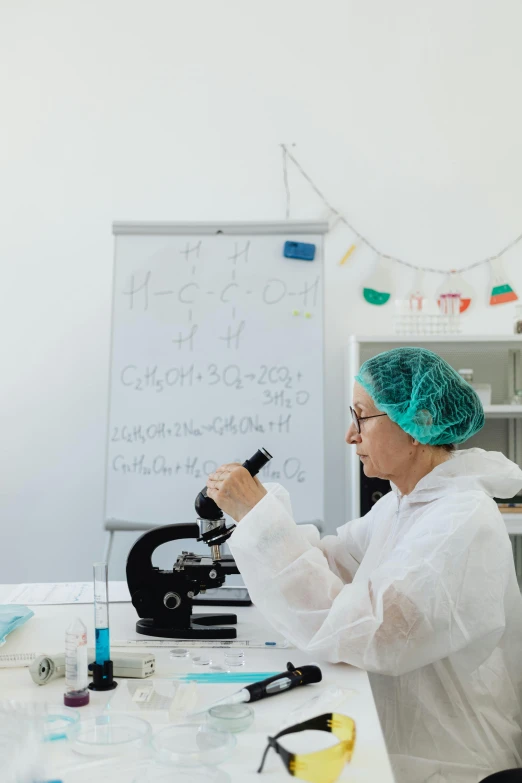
(153, 291)
(233, 376)
(273, 292)
(219, 425)
(160, 465)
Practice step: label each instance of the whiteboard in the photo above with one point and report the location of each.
(216, 351)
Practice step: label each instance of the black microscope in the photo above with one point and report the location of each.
(164, 599)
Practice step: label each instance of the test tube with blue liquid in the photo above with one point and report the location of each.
(102, 679)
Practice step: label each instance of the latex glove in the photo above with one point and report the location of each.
(234, 490)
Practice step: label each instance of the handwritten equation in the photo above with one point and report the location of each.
(195, 467)
(218, 425)
(232, 376)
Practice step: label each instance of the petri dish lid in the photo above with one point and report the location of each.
(188, 745)
(112, 735)
(60, 723)
(230, 717)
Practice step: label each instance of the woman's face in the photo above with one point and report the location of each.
(384, 448)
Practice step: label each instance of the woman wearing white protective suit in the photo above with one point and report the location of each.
(421, 592)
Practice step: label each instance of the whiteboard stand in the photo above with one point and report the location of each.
(113, 526)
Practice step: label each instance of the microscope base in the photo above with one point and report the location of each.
(202, 626)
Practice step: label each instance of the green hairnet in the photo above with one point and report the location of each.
(423, 394)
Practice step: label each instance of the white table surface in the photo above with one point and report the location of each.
(44, 633)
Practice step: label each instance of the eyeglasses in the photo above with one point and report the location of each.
(357, 419)
(323, 766)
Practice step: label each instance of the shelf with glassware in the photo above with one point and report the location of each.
(497, 359)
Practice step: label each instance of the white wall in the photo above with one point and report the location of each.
(406, 113)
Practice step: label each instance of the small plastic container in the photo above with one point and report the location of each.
(179, 652)
(112, 735)
(230, 717)
(152, 699)
(234, 657)
(76, 674)
(202, 659)
(192, 746)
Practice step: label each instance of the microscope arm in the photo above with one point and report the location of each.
(139, 561)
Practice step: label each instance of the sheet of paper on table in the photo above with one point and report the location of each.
(64, 593)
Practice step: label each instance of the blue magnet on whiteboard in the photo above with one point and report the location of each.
(303, 250)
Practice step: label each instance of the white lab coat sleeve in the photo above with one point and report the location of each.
(343, 551)
(440, 589)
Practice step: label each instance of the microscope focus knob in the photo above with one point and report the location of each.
(171, 600)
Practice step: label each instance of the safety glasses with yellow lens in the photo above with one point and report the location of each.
(323, 766)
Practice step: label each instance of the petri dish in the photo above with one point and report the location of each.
(230, 717)
(192, 746)
(201, 660)
(112, 735)
(235, 657)
(179, 652)
(60, 723)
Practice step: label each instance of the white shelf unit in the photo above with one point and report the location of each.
(503, 411)
(498, 357)
(418, 339)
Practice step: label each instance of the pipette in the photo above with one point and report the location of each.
(278, 683)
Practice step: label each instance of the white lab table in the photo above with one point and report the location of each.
(44, 633)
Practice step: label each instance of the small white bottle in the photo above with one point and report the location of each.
(76, 671)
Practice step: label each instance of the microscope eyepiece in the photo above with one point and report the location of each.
(207, 509)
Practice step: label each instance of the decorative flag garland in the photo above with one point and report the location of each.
(455, 284)
(501, 290)
(378, 287)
